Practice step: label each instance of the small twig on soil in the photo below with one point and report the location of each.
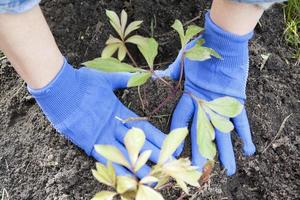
(182, 196)
(6, 164)
(279, 131)
(17, 92)
(140, 97)
(4, 193)
(165, 186)
(163, 80)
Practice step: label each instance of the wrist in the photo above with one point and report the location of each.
(59, 97)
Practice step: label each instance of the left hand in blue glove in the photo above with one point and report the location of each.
(81, 104)
(212, 79)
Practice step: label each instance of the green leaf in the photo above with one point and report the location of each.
(214, 53)
(177, 26)
(132, 27)
(114, 21)
(192, 31)
(104, 195)
(122, 52)
(141, 161)
(205, 135)
(138, 79)
(171, 143)
(123, 20)
(134, 141)
(198, 53)
(125, 184)
(147, 193)
(149, 180)
(110, 49)
(113, 40)
(147, 46)
(112, 154)
(110, 65)
(227, 106)
(149, 49)
(221, 123)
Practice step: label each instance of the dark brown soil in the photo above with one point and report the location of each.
(38, 163)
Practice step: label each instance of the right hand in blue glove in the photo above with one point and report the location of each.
(212, 79)
(81, 104)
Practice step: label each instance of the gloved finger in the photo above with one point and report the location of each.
(118, 79)
(144, 171)
(153, 135)
(242, 128)
(147, 145)
(182, 115)
(225, 150)
(120, 171)
(197, 159)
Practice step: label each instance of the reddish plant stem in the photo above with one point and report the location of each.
(167, 185)
(130, 56)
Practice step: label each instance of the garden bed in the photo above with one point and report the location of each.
(37, 163)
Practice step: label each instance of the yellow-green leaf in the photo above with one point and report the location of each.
(149, 49)
(111, 173)
(149, 180)
(162, 181)
(138, 79)
(105, 175)
(227, 106)
(110, 49)
(192, 31)
(130, 195)
(113, 40)
(122, 52)
(134, 141)
(112, 154)
(190, 177)
(171, 143)
(198, 53)
(125, 184)
(104, 195)
(141, 161)
(110, 65)
(177, 26)
(123, 20)
(182, 185)
(221, 123)
(114, 21)
(132, 26)
(205, 135)
(147, 193)
(136, 39)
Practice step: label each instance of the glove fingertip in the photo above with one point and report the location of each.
(231, 170)
(249, 149)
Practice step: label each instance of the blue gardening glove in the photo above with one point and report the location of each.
(212, 79)
(81, 104)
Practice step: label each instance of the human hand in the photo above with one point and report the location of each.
(212, 79)
(81, 104)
